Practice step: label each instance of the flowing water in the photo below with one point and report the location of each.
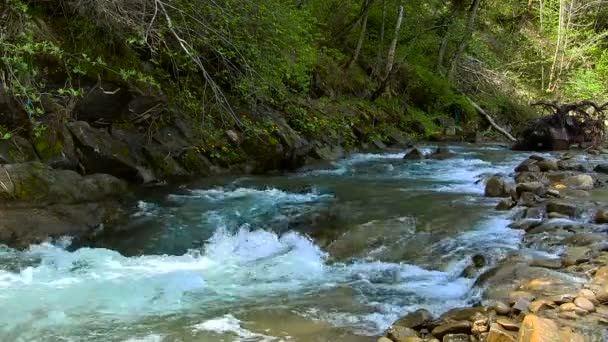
(334, 253)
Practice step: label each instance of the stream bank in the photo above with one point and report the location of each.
(556, 289)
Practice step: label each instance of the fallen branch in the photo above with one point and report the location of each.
(491, 121)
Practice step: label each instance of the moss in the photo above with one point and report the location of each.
(33, 187)
(48, 150)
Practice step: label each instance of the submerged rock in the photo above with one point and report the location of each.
(414, 154)
(537, 329)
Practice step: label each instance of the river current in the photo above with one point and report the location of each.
(331, 253)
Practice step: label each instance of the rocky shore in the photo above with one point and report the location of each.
(556, 287)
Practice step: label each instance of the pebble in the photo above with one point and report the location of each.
(538, 305)
(501, 308)
(568, 315)
(584, 304)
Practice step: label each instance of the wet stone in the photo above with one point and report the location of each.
(584, 304)
(458, 327)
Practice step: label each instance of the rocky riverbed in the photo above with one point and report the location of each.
(557, 289)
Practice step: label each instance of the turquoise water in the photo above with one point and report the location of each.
(332, 253)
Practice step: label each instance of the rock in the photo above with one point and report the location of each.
(601, 276)
(163, 163)
(586, 293)
(456, 338)
(602, 168)
(506, 204)
(570, 165)
(548, 165)
(416, 319)
(568, 315)
(384, 339)
(528, 199)
(464, 314)
(500, 307)
(480, 325)
(39, 183)
(101, 153)
(528, 165)
(526, 177)
(601, 216)
(584, 304)
(499, 334)
(378, 144)
(526, 224)
(568, 335)
(514, 296)
(562, 298)
(547, 263)
(561, 207)
(536, 329)
(497, 187)
(534, 213)
(521, 305)
(580, 182)
(457, 327)
(328, 153)
(553, 193)
(539, 305)
(399, 334)
(441, 153)
(21, 227)
(414, 154)
(508, 324)
(571, 307)
(16, 150)
(536, 188)
(56, 147)
(602, 295)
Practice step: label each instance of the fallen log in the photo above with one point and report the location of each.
(491, 121)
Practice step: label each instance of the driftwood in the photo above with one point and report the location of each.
(569, 123)
(492, 122)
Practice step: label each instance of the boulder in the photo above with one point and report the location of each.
(528, 165)
(456, 327)
(562, 207)
(415, 320)
(39, 183)
(400, 334)
(56, 148)
(536, 188)
(584, 303)
(21, 227)
(527, 177)
(16, 150)
(162, 162)
(99, 152)
(537, 329)
(547, 165)
(328, 153)
(499, 334)
(570, 165)
(497, 187)
(414, 154)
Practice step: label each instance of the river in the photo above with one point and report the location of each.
(332, 253)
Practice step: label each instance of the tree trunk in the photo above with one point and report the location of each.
(353, 60)
(558, 45)
(390, 60)
(465, 41)
(491, 121)
(378, 66)
(444, 44)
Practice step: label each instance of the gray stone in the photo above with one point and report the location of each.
(456, 338)
(580, 182)
(505, 204)
(548, 165)
(562, 207)
(536, 188)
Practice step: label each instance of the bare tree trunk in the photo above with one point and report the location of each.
(353, 60)
(558, 45)
(444, 44)
(353, 23)
(378, 66)
(491, 121)
(566, 42)
(542, 51)
(465, 41)
(390, 60)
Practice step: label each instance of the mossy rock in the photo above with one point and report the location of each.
(56, 148)
(162, 162)
(16, 150)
